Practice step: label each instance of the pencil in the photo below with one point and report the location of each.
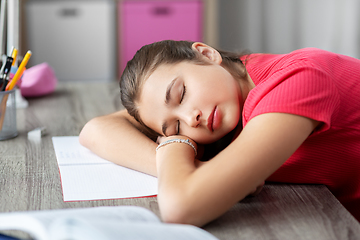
(19, 72)
(13, 55)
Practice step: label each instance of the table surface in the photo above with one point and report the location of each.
(30, 180)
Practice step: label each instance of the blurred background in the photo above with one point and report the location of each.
(91, 40)
(280, 26)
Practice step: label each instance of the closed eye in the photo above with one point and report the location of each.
(181, 99)
(183, 94)
(178, 128)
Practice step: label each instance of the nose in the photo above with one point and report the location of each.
(193, 118)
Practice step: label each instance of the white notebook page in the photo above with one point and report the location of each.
(85, 176)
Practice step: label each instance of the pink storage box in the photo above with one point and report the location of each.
(144, 22)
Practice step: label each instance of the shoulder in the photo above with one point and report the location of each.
(299, 84)
(262, 66)
(310, 51)
(305, 55)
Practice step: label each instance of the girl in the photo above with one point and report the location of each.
(291, 118)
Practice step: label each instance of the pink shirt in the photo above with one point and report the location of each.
(325, 87)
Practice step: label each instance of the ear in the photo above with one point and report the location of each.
(208, 52)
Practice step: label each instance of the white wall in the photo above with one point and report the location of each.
(280, 26)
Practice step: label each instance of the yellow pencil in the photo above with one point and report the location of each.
(19, 72)
(13, 55)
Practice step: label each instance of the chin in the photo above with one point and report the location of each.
(211, 139)
(219, 134)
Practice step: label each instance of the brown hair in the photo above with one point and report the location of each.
(151, 56)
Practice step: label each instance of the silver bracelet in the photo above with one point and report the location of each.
(177, 140)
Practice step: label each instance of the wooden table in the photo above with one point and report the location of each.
(30, 180)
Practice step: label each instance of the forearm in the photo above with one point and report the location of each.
(183, 196)
(182, 200)
(115, 138)
(198, 195)
(175, 165)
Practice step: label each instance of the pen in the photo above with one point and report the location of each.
(19, 72)
(6, 76)
(3, 66)
(5, 72)
(2, 80)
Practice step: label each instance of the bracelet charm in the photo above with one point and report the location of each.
(178, 140)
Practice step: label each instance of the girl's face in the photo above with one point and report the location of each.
(202, 102)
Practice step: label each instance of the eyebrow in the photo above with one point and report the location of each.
(167, 100)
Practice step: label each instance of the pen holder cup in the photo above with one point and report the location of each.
(8, 127)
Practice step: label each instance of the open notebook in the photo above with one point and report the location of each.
(98, 223)
(85, 176)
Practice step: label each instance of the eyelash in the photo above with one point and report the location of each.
(181, 99)
(183, 94)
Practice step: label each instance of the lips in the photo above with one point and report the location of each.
(214, 120)
(210, 120)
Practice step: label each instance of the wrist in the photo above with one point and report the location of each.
(174, 158)
(178, 141)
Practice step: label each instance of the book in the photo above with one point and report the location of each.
(105, 223)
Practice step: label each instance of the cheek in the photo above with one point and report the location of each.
(234, 115)
(149, 119)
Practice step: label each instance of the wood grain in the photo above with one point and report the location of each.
(30, 179)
